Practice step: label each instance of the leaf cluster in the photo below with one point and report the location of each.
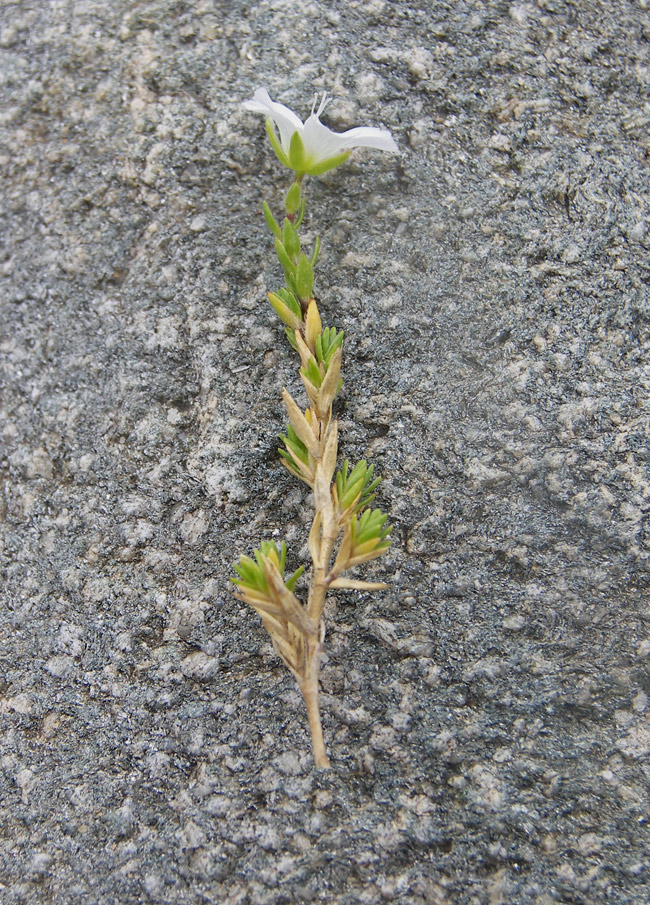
(298, 267)
(252, 575)
(326, 345)
(296, 456)
(354, 490)
(365, 537)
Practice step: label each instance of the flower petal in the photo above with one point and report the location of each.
(368, 137)
(321, 143)
(284, 118)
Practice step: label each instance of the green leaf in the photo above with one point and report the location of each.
(292, 448)
(250, 574)
(371, 526)
(359, 471)
(246, 574)
(304, 278)
(270, 221)
(363, 502)
(292, 465)
(291, 336)
(315, 253)
(275, 143)
(340, 479)
(293, 443)
(269, 549)
(291, 582)
(290, 301)
(283, 257)
(301, 213)
(294, 436)
(367, 495)
(290, 239)
(326, 345)
(356, 488)
(293, 199)
(312, 372)
(284, 313)
(352, 490)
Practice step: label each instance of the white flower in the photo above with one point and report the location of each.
(316, 148)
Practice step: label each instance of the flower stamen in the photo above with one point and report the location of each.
(324, 102)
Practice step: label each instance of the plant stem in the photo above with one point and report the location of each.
(309, 690)
(319, 582)
(321, 563)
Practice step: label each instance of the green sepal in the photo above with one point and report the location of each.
(297, 153)
(293, 199)
(304, 278)
(290, 239)
(270, 221)
(275, 143)
(319, 168)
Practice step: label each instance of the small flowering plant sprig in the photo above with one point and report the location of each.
(346, 531)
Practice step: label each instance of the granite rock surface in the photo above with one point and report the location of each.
(487, 717)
